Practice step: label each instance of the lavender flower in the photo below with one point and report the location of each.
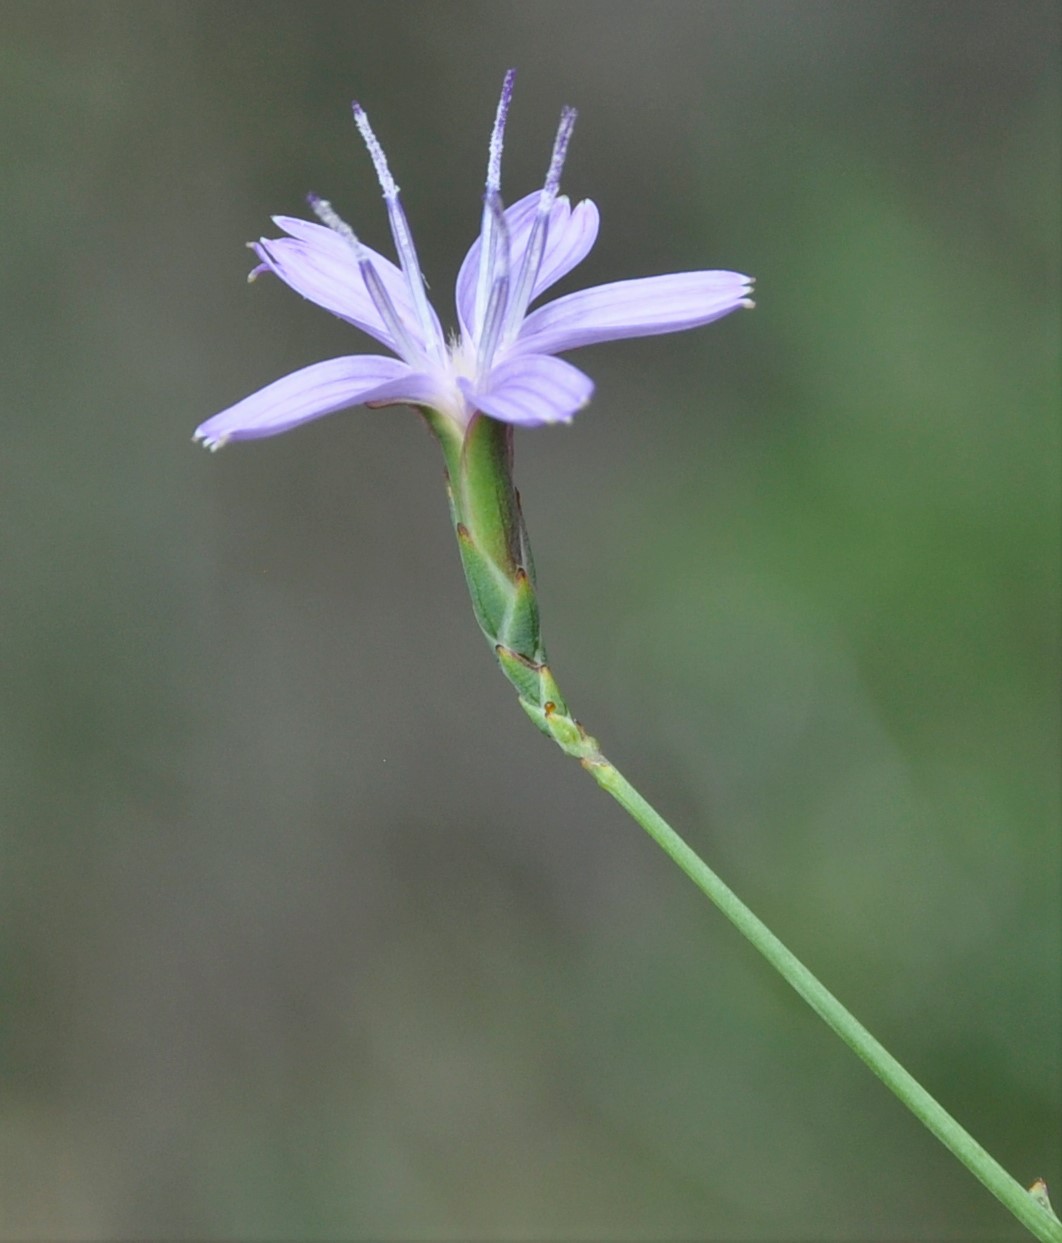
(502, 361)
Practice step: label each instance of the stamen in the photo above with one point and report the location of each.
(381, 299)
(492, 323)
(560, 151)
(488, 237)
(494, 315)
(379, 160)
(403, 238)
(327, 214)
(498, 133)
(531, 263)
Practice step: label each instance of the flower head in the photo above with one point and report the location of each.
(502, 360)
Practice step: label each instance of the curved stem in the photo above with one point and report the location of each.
(1028, 1209)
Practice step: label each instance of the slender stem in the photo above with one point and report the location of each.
(493, 543)
(1025, 1207)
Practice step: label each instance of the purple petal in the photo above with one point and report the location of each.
(315, 391)
(568, 245)
(319, 235)
(570, 238)
(532, 389)
(638, 308)
(322, 266)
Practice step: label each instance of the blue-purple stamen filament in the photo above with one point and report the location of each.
(536, 244)
(488, 234)
(501, 302)
(381, 299)
(403, 239)
(498, 273)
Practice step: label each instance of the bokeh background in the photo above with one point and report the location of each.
(306, 932)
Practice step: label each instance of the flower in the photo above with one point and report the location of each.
(502, 361)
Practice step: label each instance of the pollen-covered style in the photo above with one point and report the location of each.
(502, 361)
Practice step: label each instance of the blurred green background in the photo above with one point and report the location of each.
(306, 932)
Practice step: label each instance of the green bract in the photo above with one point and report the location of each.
(500, 572)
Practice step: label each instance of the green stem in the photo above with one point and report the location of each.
(1025, 1207)
(496, 559)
